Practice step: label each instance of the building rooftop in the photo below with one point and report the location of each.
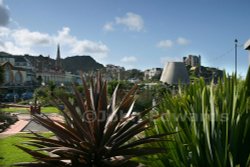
(19, 59)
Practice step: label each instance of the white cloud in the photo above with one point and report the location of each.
(64, 37)
(129, 59)
(182, 41)
(132, 21)
(12, 48)
(81, 47)
(97, 49)
(165, 44)
(4, 32)
(109, 27)
(169, 43)
(27, 38)
(22, 41)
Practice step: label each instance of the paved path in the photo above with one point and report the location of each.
(25, 124)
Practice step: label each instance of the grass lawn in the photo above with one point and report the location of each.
(10, 154)
(26, 110)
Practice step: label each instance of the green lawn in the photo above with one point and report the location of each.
(10, 154)
(26, 110)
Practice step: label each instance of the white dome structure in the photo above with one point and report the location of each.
(247, 47)
(175, 73)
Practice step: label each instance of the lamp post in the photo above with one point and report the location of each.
(235, 46)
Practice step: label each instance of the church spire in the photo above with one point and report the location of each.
(58, 65)
(58, 55)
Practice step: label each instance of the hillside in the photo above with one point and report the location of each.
(71, 64)
(83, 63)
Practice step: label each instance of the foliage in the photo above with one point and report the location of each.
(96, 133)
(213, 123)
(247, 83)
(123, 87)
(46, 94)
(6, 117)
(134, 73)
(144, 100)
(148, 94)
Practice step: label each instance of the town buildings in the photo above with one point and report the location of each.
(192, 60)
(153, 73)
(113, 72)
(28, 72)
(49, 70)
(18, 71)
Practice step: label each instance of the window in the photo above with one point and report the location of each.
(18, 77)
(7, 73)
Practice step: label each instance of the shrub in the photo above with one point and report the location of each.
(213, 123)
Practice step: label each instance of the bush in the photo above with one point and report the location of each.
(6, 119)
(213, 123)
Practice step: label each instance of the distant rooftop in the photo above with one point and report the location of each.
(247, 45)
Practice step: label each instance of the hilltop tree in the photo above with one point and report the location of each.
(134, 73)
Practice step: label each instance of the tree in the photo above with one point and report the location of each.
(135, 73)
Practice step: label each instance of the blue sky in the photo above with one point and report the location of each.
(132, 33)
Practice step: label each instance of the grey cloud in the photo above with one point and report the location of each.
(4, 15)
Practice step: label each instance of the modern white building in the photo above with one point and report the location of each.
(247, 47)
(175, 73)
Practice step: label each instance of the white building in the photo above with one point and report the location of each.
(247, 47)
(17, 70)
(14, 75)
(175, 73)
(58, 78)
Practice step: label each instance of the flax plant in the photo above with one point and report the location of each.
(97, 132)
(213, 123)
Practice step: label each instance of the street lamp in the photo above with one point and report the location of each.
(235, 46)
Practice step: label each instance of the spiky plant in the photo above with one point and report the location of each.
(214, 125)
(95, 133)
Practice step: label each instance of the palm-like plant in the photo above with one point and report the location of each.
(95, 132)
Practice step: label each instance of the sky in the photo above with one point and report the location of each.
(131, 33)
